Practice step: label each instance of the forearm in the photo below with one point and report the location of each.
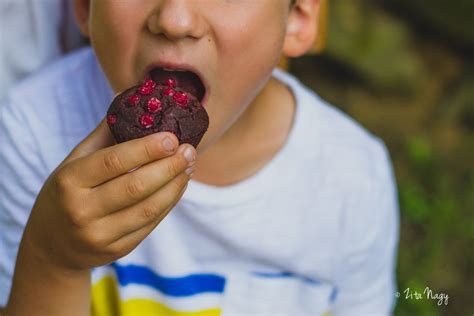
(40, 288)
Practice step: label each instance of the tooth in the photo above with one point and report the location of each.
(168, 69)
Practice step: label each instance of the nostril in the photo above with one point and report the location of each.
(152, 24)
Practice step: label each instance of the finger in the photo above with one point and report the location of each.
(111, 162)
(151, 210)
(99, 138)
(133, 187)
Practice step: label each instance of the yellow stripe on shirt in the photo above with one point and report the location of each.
(149, 307)
(106, 302)
(105, 298)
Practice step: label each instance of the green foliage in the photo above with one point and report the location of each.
(415, 204)
(419, 150)
(375, 45)
(454, 18)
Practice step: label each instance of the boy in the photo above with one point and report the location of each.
(291, 209)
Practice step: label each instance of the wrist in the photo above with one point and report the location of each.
(43, 254)
(43, 287)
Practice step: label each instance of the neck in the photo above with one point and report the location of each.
(251, 141)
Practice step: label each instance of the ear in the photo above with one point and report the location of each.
(81, 13)
(302, 27)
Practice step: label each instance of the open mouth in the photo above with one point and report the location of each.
(185, 79)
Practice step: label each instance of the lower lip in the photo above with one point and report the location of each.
(204, 99)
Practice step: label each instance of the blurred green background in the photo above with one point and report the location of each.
(404, 69)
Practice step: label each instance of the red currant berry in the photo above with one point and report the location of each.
(133, 99)
(145, 90)
(111, 119)
(153, 105)
(170, 83)
(150, 83)
(168, 92)
(181, 99)
(146, 120)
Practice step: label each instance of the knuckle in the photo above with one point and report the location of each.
(172, 167)
(150, 211)
(151, 149)
(135, 187)
(78, 216)
(70, 199)
(94, 240)
(112, 162)
(61, 181)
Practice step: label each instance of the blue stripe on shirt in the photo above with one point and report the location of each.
(285, 274)
(173, 286)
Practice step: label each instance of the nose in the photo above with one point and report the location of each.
(176, 19)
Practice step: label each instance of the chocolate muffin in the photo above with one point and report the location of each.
(151, 108)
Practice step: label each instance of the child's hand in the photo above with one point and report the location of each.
(92, 210)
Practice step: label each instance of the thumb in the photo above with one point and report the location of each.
(99, 138)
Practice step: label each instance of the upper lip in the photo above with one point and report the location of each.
(179, 66)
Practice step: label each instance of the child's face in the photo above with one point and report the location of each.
(232, 44)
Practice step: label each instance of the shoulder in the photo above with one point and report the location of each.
(355, 169)
(355, 155)
(344, 168)
(346, 153)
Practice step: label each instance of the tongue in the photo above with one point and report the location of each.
(185, 80)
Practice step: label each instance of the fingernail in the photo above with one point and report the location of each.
(188, 155)
(168, 144)
(189, 170)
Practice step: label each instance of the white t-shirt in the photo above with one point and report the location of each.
(314, 231)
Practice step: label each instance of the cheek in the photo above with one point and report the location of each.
(249, 50)
(247, 54)
(114, 29)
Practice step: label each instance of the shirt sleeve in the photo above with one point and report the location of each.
(21, 177)
(366, 282)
